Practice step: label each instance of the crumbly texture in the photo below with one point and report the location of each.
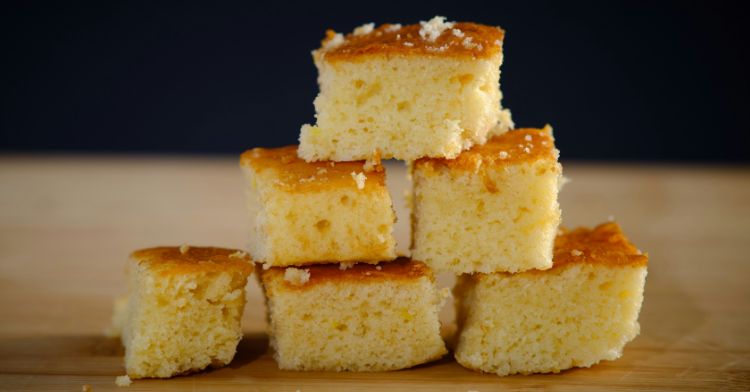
(493, 208)
(407, 92)
(316, 212)
(582, 311)
(296, 276)
(362, 318)
(123, 381)
(183, 310)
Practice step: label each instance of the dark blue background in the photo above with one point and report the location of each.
(658, 81)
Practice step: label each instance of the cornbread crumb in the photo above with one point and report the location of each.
(184, 249)
(576, 252)
(238, 254)
(432, 29)
(86, 388)
(469, 43)
(360, 179)
(364, 29)
(336, 40)
(373, 162)
(393, 27)
(503, 154)
(361, 319)
(458, 33)
(297, 277)
(581, 311)
(345, 266)
(123, 381)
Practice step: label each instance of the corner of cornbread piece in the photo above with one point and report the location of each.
(493, 208)
(184, 309)
(581, 311)
(428, 89)
(361, 318)
(316, 212)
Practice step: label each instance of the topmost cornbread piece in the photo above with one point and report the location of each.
(423, 90)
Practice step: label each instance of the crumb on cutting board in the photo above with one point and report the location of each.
(123, 381)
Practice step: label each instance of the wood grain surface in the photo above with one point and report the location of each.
(67, 224)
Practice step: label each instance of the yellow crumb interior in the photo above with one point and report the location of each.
(336, 222)
(494, 218)
(181, 322)
(354, 325)
(573, 316)
(405, 107)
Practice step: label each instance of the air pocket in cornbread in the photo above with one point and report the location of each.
(316, 212)
(184, 309)
(429, 89)
(493, 208)
(581, 311)
(359, 318)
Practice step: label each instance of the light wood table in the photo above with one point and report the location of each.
(68, 223)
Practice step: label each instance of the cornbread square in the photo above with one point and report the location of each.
(318, 212)
(429, 89)
(581, 311)
(362, 318)
(493, 208)
(183, 310)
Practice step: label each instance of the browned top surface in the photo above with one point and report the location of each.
(604, 244)
(295, 174)
(400, 269)
(469, 40)
(512, 147)
(189, 259)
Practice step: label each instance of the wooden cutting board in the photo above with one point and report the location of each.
(68, 223)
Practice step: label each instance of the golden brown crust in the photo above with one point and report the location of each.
(512, 147)
(605, 245)
(402, 268)
(168, 260)
(469, 40)
(297, 175)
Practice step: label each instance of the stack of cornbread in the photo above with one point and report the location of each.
(530, 297)
(484, 206)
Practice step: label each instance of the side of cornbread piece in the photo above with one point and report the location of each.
(363, 318)
(493, 208)
(183, 310)
(316, 212)
(582, 311)
(429, 89)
